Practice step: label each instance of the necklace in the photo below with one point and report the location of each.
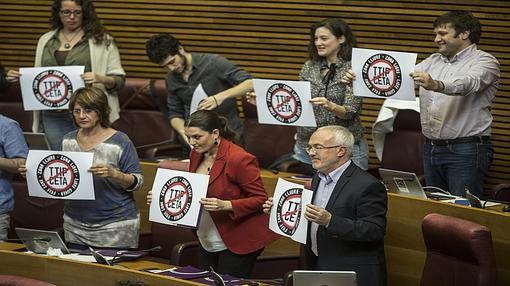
(67, 45)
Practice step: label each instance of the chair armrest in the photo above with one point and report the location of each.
(498, 192)
(288, 279)
(174, 148)
(275, 266)
(178, 252)
(374, 171)
(152, 149)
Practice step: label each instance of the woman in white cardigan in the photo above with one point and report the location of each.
(77, 38)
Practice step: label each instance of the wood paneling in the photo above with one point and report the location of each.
(269, 38)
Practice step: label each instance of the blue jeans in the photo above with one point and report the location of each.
(359, 154)
(458, 166)
(4, 226)
(56, 124)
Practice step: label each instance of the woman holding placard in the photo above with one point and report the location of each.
(330, 48)
(77, 38)
(112, 219)
(232, 230)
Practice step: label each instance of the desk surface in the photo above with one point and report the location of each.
(64, 272)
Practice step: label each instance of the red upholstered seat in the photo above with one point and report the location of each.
(11, 105)
(143, 121)
(11, 280)
(266, 142)
(501, 192)
(403, 148)
(168, 236)
(459, 253)
(33, 212)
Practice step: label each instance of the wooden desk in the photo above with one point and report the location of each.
(64, 272)
(405, 249)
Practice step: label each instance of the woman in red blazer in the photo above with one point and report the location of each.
(233, 230)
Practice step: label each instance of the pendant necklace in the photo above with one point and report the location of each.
(67, 45)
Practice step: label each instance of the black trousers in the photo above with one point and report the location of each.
(227, 262)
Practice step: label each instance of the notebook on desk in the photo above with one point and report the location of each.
(406, 183)
(39, 241)
(323, 278)
(36, 141)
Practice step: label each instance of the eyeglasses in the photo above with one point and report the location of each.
(317, 147)
(68, 13)
(86, 111)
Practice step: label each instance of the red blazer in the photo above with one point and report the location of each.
(235, 176)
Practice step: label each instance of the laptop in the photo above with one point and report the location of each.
(323, 278)
(407, 184)
(39, 241)
(36, 141)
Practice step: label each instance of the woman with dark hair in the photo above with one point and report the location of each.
(112, 219)
(77, 38)
(232, 230)
(330, 48)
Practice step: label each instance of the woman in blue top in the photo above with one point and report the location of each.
(112, 219)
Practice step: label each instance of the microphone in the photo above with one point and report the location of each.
(155, 248)
(120, 255)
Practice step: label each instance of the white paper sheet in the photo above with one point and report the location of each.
(287, 216)
(284, 102)
(198, 96)
(383, 74)
(49, 87)
(176, 196)
(60, 175)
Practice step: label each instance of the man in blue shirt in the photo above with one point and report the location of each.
(13, 151)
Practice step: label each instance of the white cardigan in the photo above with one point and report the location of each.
(105, 61)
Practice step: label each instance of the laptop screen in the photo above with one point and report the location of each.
(39, 241)
(323, 278)
(403, 183)
(36, 141)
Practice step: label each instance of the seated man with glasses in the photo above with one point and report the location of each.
(348, 211)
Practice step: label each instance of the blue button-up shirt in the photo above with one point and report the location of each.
(324, 190)
(12, 145)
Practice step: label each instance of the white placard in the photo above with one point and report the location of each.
(176, 197)
(60, 175)
(198, 96)
(46, 88)
(383, 74)
(284, 102)
(287, 216)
